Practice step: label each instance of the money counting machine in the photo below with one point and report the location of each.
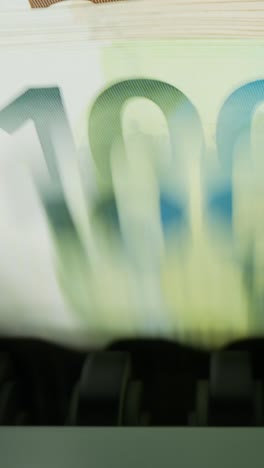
(156, 403)
(132, 384)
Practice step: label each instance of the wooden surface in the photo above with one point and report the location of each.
(156, 19)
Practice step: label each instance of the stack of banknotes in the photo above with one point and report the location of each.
(132, 171)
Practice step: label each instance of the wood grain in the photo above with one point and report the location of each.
(145, 19)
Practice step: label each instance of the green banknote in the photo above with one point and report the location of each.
(131, 189)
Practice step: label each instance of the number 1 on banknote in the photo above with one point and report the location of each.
(45, 108)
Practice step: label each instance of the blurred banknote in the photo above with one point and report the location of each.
(131, 186)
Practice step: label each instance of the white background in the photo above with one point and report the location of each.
(13, 4)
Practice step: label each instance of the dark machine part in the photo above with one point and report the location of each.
(231, 396)
(131, 384)
(106, 394)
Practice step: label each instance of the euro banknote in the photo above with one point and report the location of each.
(131, 184)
